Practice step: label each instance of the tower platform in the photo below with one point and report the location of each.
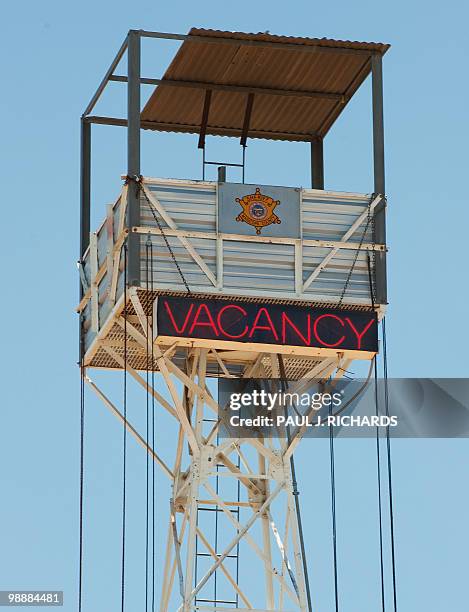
(189, 247)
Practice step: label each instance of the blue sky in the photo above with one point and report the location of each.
(54, 55)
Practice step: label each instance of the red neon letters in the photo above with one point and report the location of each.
(267, 323)
(220, 325)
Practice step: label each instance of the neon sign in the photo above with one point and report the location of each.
(279, 324)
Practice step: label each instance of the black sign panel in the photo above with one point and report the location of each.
(278, 324)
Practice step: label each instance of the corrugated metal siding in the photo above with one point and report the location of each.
(104, 305)
(258, 267)
(165, 273)
(249, 268)
(331, 281)
(102, 246)
(262, 267)
(192, 206)
(328, 215)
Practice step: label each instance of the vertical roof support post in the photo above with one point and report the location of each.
(85, 185)
(222, 174)
(85, 212)
(247, 119)
(379, 175)
(133, 154)
(317, 164)
(204, 121)
(378, 123)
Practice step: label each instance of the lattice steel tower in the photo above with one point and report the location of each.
(191, 280)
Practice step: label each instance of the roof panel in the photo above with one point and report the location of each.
(297, 40)
(309, 82)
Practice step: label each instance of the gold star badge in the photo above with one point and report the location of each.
(258, 210)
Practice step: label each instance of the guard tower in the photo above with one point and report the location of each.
(195, 279)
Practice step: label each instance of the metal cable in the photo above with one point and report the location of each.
(372, 263)
(153, 471)
(378, 448)
(165, 238)
(124, 461)
(357, 252)
(82, 453)
(333, 512)
(296, 492)
(238, 497)
(380, 505)
(147, 436)
(217, 490)
(388, 449)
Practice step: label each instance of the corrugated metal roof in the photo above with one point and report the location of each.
(300, 85)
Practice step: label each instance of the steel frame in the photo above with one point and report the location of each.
(267, 483)
(134, 80)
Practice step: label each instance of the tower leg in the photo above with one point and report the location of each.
(269, 585)
(193, 503)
